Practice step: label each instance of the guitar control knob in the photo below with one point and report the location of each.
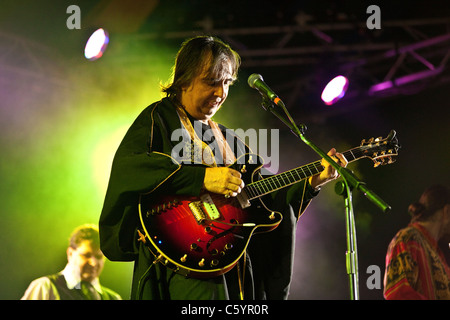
(214, 263)
(228, 246)
(202, 263)
(183, 258)
(194, 246)
(208, 229)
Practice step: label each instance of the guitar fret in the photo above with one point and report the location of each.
(250, 190)
(292, 175)
(299, 176)
(302, 173)
(306, 172)
(354, 154)
(264, 186)
(277, 182)
(349, 154)
(258, 192)
(309, 171)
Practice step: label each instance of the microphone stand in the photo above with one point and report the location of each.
(350, 182)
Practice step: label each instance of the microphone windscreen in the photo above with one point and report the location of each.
(252, 79)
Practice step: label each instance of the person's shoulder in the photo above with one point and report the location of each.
(164, 108)
(41, 281)
(41, 288)
(408, 234)
(146, 115)
(112, 295)
(152, 107)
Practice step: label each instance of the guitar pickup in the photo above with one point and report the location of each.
(205, 209)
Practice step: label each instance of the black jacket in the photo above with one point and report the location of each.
(143, 164)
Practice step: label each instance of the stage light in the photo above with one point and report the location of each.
(96, 45)
(334, 90)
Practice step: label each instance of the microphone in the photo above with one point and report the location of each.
(256, 81)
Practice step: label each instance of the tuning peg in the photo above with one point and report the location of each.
(376, 164)
(379, 139)
(391, 135)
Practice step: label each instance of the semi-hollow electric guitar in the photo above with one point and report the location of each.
(205, 236)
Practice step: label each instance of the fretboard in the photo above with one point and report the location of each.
(278, 181)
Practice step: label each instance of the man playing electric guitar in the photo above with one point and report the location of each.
(148, 181)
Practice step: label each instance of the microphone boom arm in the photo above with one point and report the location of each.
(268, 105)
(347, 175)
(350, 182)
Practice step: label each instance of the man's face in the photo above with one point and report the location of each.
(205, 95)
(88, 259)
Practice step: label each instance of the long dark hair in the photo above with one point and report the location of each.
(433, 199)
(192, 57)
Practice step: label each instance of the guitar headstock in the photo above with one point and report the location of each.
(381, 151)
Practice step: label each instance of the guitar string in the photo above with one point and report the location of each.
(261, 187)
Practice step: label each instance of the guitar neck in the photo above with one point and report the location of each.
(273, 183)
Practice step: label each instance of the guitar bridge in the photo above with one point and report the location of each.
(204, 209)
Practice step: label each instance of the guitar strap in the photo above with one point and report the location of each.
(207, 156)
(227, 154)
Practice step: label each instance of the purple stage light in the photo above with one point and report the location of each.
(334, 90)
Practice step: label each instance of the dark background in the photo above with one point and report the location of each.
(62, 116)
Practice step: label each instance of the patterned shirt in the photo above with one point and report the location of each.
(416, 268)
